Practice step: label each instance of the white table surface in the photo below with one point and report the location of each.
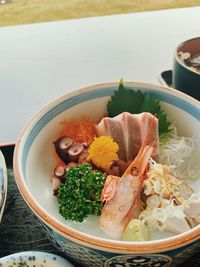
(39, 62)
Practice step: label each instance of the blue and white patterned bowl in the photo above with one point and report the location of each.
(34, 163)
(34, 259)
(3, 184)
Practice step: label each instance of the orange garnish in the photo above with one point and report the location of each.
(81, 130)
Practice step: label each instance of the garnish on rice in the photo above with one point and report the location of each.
(103, 151)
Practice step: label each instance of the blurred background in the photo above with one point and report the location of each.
(31, 11)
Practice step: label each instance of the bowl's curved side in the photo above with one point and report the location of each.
(3, 184)
(35, 126)
(185, 80)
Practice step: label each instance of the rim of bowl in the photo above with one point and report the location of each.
(178, 59)
(38, 255)
(3, 184)
(165, 244)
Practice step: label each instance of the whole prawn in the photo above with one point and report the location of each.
(122, 194)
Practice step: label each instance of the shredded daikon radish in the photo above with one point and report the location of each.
(182, 155)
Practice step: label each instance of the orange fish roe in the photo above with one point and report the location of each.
(81, 130)
(103, 151)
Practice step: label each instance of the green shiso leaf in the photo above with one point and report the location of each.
(127, 100)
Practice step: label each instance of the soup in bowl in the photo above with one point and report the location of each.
(186, 67)
(129, 218)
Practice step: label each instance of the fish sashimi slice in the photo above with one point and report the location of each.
(129, 131)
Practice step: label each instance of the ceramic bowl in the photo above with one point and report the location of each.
(185, 78)
(3, 184)
(34, 259)
(34, 162)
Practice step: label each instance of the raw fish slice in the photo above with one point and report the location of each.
(132, 130)
(145, 120)
(135, 128)
(129, 131)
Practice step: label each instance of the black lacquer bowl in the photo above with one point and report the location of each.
(186, 68)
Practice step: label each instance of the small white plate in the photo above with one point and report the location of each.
(34, 259)
(3, 184)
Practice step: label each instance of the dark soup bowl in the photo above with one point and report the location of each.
(186, 67)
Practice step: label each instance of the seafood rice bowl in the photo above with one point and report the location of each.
(112, 173)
